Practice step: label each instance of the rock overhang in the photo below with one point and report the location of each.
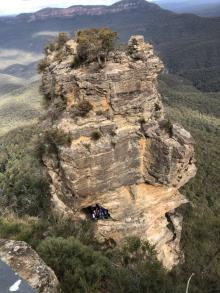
(136, 150)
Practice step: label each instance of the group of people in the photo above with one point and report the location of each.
(99, 213)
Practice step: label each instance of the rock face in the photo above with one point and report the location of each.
(26, 262)
(111, 145)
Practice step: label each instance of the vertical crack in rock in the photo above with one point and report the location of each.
(120, 151)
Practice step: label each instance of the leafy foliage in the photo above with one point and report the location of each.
(199, 113)
(189, 45)
(42, 65)
(95, 44)
(23, 186)
(95, 135)
(82, 269)
(58, 43)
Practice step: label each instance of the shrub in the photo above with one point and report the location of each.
(133, 243)
(50, 47)
(57, 46)
(42, 65)
(95, 135)
(59, 137)
(62, 39)
(25, 229)
(82, 108)
(141, 120)
(76, 62)
(79, 268)
(95, 44)
(99, 113)
(167, 126)
(23, 184)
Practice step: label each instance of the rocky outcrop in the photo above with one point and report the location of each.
(112, 145)
(28, 265)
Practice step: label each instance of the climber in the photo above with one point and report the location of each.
(106, 213)
(93, 212)
(101, 214)
(98, 212)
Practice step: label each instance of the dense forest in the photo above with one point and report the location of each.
(188, 44)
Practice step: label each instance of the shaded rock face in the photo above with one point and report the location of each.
(28, 265)
(121, 153)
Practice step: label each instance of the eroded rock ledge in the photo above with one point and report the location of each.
(28, 265)
(122, 154)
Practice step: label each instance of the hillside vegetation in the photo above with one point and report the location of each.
(20, 107)
(189, 45)
(73, 252)
(205, 8)
(200, 113)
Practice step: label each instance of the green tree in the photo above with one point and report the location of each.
(95, 44)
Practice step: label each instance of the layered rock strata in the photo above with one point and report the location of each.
(118, 151)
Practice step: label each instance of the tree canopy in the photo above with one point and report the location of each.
(95, 44)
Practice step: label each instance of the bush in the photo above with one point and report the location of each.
(78, 267)
(61, 40)
(95, 44)
(42, 65)
(82, 109)
(167, 126)
(23, 185)
(100, 113)
(133, 244)
(57, 46)
(58, 137)
(95, 135)
(50, 47)
(76, 62)
(142, 120)
(25, 229)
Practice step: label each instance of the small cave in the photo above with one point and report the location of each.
(96, 212)
(170, 225)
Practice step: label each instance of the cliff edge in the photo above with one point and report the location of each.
(109, 143)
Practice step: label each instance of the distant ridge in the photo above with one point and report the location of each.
(79, 10)
(207, 8)
(188, 44)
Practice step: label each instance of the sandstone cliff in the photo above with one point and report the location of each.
(110, 144)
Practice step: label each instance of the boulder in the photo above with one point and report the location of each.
(28, 265)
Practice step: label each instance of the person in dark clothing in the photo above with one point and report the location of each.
(99, 213)
(106, 213)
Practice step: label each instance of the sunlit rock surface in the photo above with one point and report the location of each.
(122, 154)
